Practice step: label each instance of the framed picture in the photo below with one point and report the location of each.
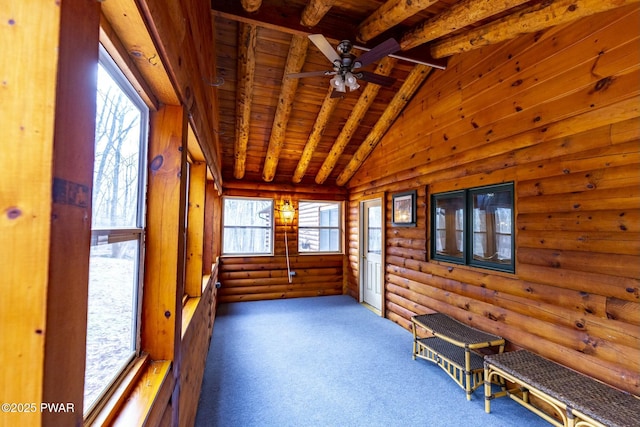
(404, 209)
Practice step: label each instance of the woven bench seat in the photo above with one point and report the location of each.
(452, 353)
(452, 347)
(579, 400)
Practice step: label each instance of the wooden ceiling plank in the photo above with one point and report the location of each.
(315, 11)
(324, 115)
(388, 15)
(402, 97)
(251, 5)
(247, 37)
(295, 60)
(538, 17)
(353, 122)
(458, 16)
(277, 16)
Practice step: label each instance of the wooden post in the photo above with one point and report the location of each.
(197, 182)
(67, 293)
(163, 284)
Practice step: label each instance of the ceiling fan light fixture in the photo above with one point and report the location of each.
(351, 81)
(338, 83)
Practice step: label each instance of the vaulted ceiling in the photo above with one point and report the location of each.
(284, 130)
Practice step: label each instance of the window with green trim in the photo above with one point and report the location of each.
(475, 227)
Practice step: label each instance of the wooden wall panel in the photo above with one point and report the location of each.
(265, 277)
(195, 347)
(45, 196)
(557, 114)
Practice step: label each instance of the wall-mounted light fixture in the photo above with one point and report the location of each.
(288, 212)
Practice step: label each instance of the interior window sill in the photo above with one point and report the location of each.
(190, 304)
(132, 402)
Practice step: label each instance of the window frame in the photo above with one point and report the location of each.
(460, 194)
(271, 228)
(339, 228)
(468, 233)
(102, 235)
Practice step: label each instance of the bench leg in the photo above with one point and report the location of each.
(487, 391)
(467, 371)
(415, 340)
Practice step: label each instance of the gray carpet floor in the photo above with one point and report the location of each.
(329, 361)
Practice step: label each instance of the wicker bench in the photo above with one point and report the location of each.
(452, 346)
(579, 401)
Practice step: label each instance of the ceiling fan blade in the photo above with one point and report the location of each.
(325, 47)
(383, 49)
(376, 78)
(311, 74)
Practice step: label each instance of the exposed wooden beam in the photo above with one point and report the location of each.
(538, 17)
(251, 5)
(295, 60)
(315, 11)
(277, 15)
(328, 105)
(247, 36)
(357, 113)
(457, 16)
(389, 15)
(402, 97)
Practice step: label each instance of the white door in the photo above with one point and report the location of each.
(371, 247)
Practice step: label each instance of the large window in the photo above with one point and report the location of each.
(474, 227)
(319, 227)
(248, 226)
(115, 265)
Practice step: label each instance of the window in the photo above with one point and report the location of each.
(247, 226)
(474, 227)
(319, 227)
(115, 264)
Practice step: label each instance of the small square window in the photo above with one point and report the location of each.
(319, 227)
(247, 226)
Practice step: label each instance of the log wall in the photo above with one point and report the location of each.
(556, 113)
(265, 277)
(196, 336)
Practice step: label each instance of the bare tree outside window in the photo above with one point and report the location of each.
(115, 259)
(247, 226)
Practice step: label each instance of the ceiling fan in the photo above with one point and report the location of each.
(346, 65)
